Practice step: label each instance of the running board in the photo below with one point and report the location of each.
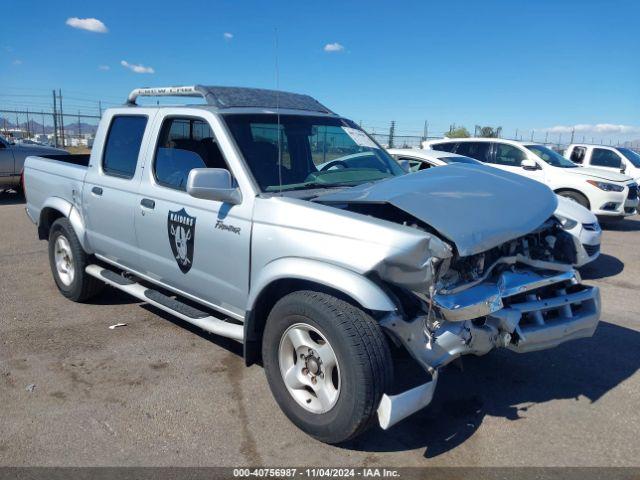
(163, 302)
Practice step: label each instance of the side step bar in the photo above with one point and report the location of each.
(175, 307)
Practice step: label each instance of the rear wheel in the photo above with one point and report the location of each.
(327, 364)
(575, 197)
(68, 261)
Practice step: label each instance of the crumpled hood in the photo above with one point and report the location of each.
(474, 206)
(600, 173)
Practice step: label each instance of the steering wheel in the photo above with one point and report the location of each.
(334, 163)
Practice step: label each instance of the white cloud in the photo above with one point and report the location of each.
(137, 68)
(104, 67)
(90, 24)
(227, 36)
(333, 47)
(597, 129)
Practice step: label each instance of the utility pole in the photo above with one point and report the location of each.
(573, 131)
(546, 137)
(79, 128)
(516, 134)
(61, 116)
(392, 131)
(42, 113)
(100, 110)
(55, 119)
(532, 135)
(28, 126)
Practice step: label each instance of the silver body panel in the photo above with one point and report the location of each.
(12, 157)
(239, 250)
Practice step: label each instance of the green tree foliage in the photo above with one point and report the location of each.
(457, 132)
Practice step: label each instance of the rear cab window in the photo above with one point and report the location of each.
(444, 147)
(122, 147)
(578, 154)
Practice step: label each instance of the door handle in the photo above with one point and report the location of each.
(148, 203)
(96, 191)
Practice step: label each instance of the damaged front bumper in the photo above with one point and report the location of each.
(522, 310)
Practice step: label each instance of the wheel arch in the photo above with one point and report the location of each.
(289, 275)
(55, 208)
(559, 191)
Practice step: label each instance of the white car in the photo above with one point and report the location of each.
(613, 159)
(607, 194)
(575, 219)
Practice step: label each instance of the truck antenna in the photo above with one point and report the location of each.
(275, 33)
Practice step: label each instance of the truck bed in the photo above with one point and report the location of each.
(53, 176)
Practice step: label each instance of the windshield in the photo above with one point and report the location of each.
(630, 155)
(315, 152)
(460, 159)
(551, 157)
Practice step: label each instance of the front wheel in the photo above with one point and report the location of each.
(577, 197)
(327, 364)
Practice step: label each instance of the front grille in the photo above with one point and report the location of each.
(591, 249)
(633, 191)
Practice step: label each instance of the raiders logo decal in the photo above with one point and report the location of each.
(182, 231)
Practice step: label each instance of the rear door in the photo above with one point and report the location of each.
(197, 247)
(110, 192)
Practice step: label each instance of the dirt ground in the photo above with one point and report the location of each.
(159, 392)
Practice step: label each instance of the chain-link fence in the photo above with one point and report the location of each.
(49, 128)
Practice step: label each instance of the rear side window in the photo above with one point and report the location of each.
(185, 144)
(123, 145)
(577, 155)
(478, 150)
(444, 147)
(605, 158)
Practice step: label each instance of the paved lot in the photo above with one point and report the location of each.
(158, 392)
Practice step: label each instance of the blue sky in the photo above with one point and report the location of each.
(525, 65)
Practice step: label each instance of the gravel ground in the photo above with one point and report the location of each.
(159, 392)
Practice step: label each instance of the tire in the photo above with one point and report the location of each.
(576, 197)
(68, 261)
(363, 371)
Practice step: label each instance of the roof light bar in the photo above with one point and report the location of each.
(188, 91)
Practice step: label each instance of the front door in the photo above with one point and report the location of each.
(509, 157)
(199, 247)
(606, 160)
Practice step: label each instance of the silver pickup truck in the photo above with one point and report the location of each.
(264, 217)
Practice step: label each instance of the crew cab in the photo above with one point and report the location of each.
(608, 158)
(12, 157)
(218, 214)
(575, 219)
(609, 195)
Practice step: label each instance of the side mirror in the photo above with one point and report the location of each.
(213, 184)
(529, 164)
(405, 165)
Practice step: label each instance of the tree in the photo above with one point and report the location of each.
(457, 132)
(488, 132)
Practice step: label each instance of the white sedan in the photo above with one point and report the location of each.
(575, 218)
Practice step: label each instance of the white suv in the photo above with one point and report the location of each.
(605, 193)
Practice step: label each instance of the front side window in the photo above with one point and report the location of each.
(632, 156)
(185, 144)
(444, 147)
(605, 158)
(577, 155)
(293, 152)
(551, 157)
(122, 147)
(415, 165)
(479, 150)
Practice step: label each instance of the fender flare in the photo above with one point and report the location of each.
(68, 210)
(364, 291)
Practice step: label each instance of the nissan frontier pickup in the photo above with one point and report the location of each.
(265, 217)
